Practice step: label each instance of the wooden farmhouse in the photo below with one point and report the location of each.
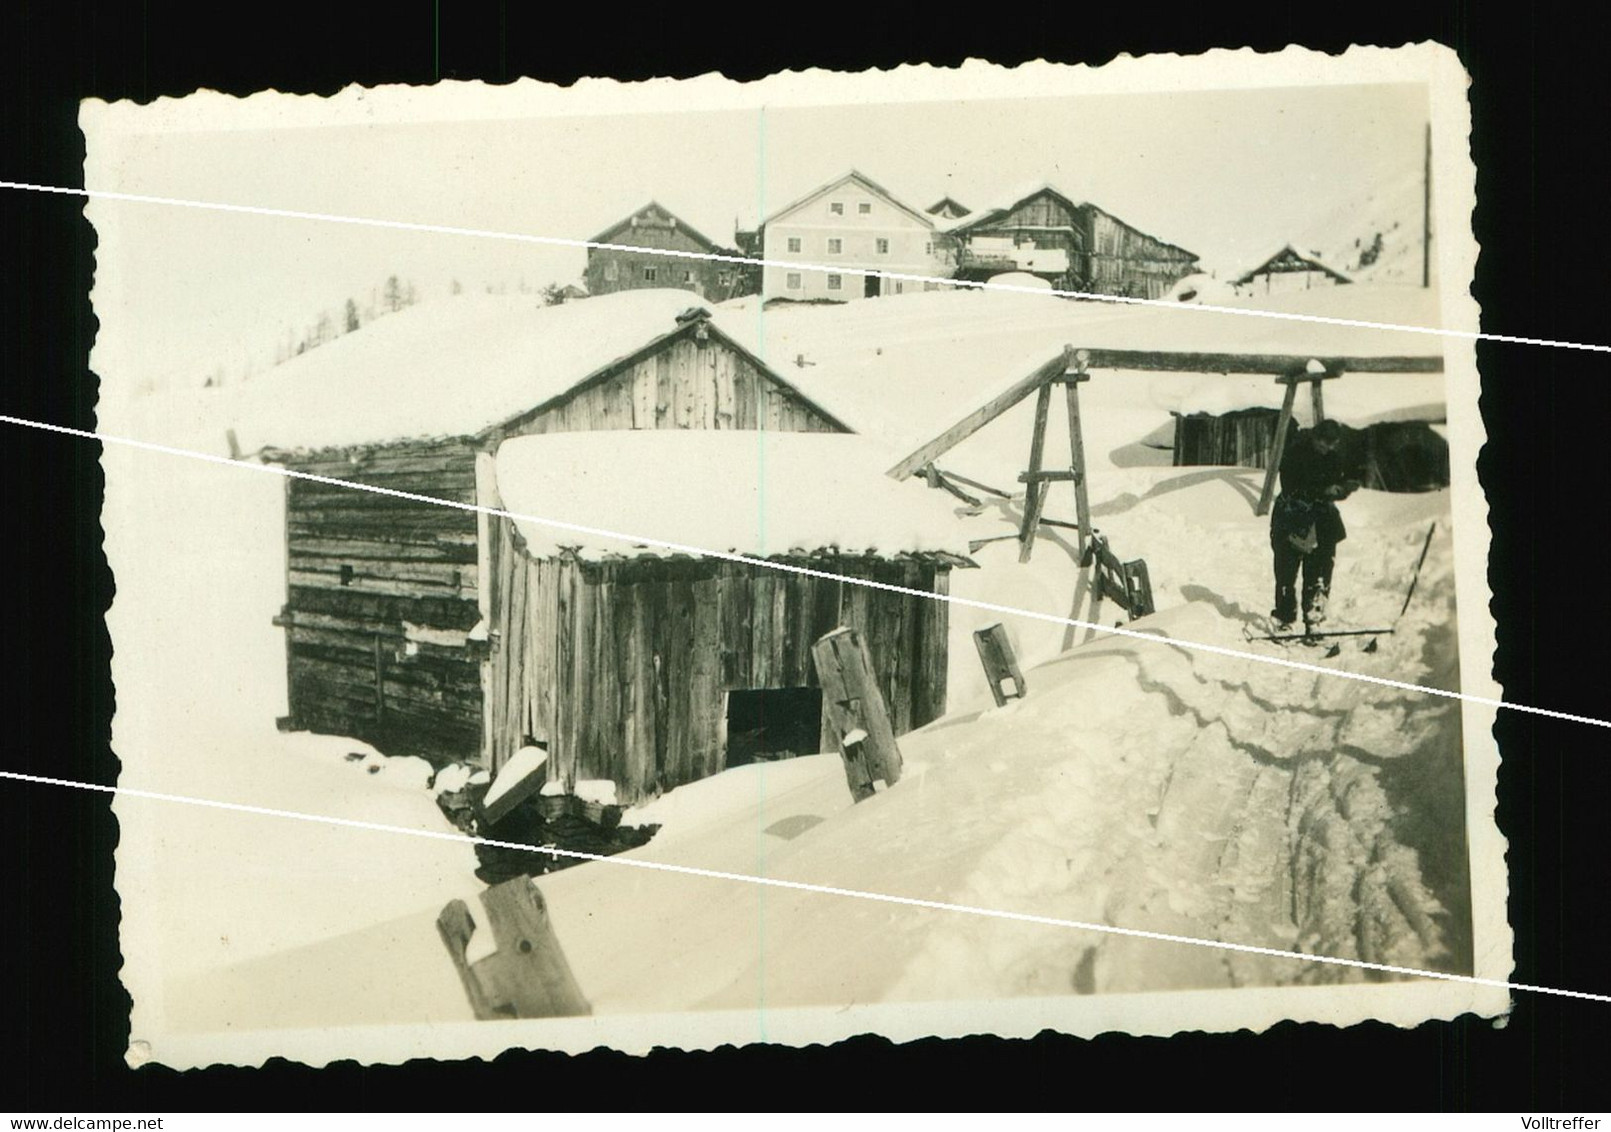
(390, 616)
(1073, 245)
(1290, 270)
(650, 233)
(852, 222)
(652, 666)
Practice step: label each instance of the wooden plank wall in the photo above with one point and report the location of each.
(1241, 438)
(1124, 261)
(626, 662)
(687, 385)
(359, 565)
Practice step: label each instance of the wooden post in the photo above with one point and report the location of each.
(380, 681)
(528, 975)
(855, 711)
(1317, 401)
(1076, 442)
(1279, 447)
(1426, 213)
(1035, 489)
(1000, 665)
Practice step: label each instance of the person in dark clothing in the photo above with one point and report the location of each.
(1305, 526)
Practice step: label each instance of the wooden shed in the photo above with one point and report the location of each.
(389, 599)
(653, 667)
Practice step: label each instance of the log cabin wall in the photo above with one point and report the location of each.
(1124, 261)
(380, 595)
(621, 668)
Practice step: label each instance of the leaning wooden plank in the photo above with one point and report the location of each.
(855, 709)
(980, 417)
(527, 976)
(1002, 673)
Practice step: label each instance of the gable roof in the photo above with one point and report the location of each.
(626, 223)
(860, 178)
(462, 366)
(758, 494)
(1310, 258)
(1007, 202)
(1014, 198)
(949, 207)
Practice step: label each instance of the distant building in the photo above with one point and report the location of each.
(948, 208)
(1291, 270)
(1072, 244)
(854, 222)
(650, 232)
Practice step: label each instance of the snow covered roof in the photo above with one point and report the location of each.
(1007, 200)
(625, 224)
(454, 367)
(754, 493)
(1293, 252)
(853, 175)
(904, 372)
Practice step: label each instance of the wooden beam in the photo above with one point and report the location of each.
(980, 417)
(528, 975)
(1283, 365)
(855, 711)
(1277, 450)
(1000, 665)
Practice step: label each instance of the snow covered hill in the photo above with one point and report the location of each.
(1376, 238)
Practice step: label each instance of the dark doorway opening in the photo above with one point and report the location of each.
(870, 289)
(766, 724)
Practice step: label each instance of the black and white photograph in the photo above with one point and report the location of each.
(920, 553)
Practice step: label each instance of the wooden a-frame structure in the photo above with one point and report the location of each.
(1071, 368)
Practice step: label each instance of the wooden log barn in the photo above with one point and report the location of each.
(1073, 244)
(652, 667)
(390, 601)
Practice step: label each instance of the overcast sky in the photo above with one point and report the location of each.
(1227, 174)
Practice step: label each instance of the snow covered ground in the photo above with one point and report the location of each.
(1146, 785)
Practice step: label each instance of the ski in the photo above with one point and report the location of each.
(1318, 636)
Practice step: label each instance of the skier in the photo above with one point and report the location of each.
(1305, 526)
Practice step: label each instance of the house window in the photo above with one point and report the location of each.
(650, 274)
(688, 277)
(899, 286)
(928, 249)
(794, 243)
(837, 208)
(835, 245)
(836, 282)
(792, 282)
(883, 246)
(864, 208)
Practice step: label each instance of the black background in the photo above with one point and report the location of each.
(1540, 99)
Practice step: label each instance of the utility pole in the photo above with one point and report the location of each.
(1426, 214)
